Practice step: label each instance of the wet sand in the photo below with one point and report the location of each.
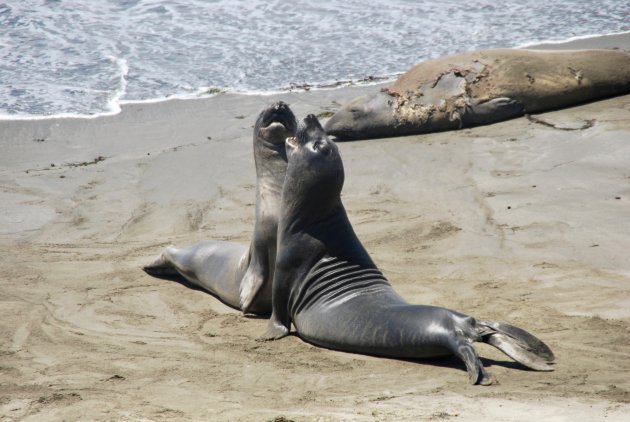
(524, 221)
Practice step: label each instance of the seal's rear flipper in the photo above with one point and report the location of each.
(477, 374)
(161, 268)
(491, 111)
(518, 344)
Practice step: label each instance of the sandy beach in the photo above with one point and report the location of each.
(524, 221)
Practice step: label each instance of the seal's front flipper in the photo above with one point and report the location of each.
(518, 344)
(491, 111)
(275, 331)
(251, 284)
(259, 271)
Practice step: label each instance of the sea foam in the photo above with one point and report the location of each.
(66, 59)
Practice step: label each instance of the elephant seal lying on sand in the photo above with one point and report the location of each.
(481, 87)
(240, 276)
(326, 284)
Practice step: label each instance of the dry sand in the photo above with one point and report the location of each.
(520, 221)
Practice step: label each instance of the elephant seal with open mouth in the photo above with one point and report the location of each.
(481, 87)
(240, 276)
(326, 284)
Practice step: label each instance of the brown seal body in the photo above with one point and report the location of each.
(481, 87)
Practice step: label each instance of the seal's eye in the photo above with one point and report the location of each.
(322, 147)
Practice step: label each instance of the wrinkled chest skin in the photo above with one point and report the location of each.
(326, 284)
(341, 305)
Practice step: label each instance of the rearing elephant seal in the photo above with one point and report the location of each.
(481, 87)
(239, 276)
(327, 285)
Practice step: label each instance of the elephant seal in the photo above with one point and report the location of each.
(240, 276)
(327, 285)
(482, 87)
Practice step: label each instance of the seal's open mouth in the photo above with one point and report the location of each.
(279, 115)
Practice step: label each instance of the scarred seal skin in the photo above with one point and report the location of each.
(482, 87)
(327, 285)
(241, 276)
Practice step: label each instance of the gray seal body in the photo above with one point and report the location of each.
(482, 87)
(241, 276)
(327, 285)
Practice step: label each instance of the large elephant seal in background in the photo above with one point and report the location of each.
(327, 285)
(482, 87)
(240, 276)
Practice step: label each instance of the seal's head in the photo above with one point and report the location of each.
(315, 171)
(369, 116)
(275, 124)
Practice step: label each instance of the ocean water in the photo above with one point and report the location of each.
(85, 58)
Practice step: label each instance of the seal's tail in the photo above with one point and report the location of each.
(518, 344)
(161, 268)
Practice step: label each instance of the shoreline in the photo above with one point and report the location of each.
(611, 40)
(520, 222)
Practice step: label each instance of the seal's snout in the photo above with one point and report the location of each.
(312, 121)
(278, 113)
(345, 121)
(310, 129)
(311, 136)
(280, 105)
(280, 108)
